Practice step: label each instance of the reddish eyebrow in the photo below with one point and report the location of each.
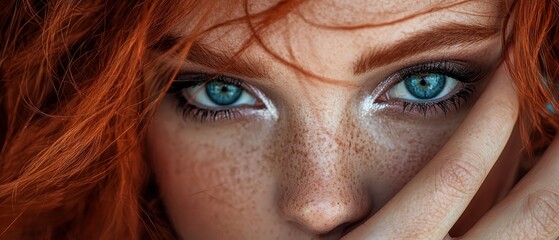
(447, 35)
(217, 60)
(220, 61)
(452, 34)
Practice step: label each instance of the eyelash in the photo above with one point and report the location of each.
(189, 110)
(449, 104)
(465, 74)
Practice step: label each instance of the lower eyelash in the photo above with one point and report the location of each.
(190, 111)
(452, 103)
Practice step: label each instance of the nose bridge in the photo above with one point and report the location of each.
(320, 189)
(315, 148)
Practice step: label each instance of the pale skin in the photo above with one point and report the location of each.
(327, 155)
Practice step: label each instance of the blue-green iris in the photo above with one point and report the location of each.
(223, 93)
(425, 86)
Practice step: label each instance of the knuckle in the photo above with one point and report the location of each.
(461, 176)
(543, 213)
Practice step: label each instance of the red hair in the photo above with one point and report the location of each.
(76, 98)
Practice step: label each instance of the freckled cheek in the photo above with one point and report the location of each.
(401, 149)
(216, 174)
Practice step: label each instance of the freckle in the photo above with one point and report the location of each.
(233, 171)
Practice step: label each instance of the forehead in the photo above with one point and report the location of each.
(338, 12)
(329, 36)
(358, 12)
(320, 16)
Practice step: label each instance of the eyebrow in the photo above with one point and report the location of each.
(217, 60)
(452, 34)
(224, 61)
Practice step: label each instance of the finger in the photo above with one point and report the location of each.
(428, 206)
(531, 210)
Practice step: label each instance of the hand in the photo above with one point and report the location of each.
(431, 203)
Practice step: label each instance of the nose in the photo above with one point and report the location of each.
(321, 190)
(321, 210)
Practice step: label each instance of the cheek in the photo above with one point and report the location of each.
(209, 178)
(398, 149)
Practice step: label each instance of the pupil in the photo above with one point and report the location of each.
(223, 94)
(425, 86)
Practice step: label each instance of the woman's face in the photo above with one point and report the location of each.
(266, 149)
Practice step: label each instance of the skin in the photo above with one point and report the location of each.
(323, 160)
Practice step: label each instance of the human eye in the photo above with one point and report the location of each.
(432, 87)
(206, 97)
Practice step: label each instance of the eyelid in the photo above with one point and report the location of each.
(460, 70)
(191, 78)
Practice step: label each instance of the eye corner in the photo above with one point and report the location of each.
(382, 98)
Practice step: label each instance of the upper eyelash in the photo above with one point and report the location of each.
(457, 70)
(186, 80)
(466, 74)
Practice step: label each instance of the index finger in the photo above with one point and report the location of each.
(428, 206)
